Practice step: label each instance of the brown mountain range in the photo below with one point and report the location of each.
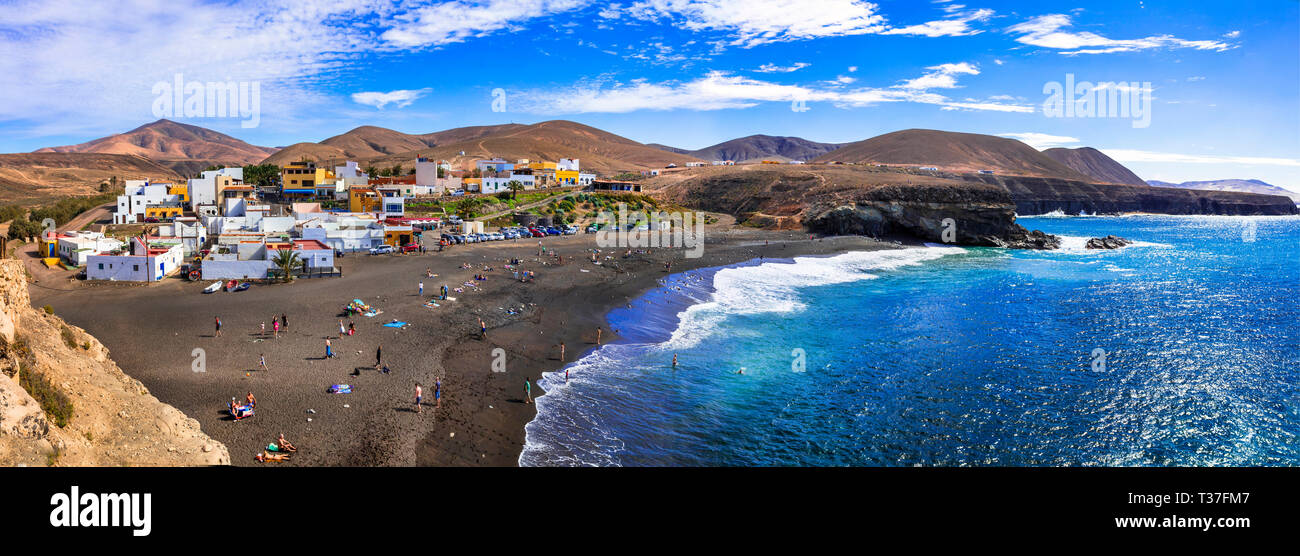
(168, 140)
(1094, 164)
(953, 152)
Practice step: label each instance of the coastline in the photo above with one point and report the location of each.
(152, 331)
(582, 311)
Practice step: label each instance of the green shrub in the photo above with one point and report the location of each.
(56, 405)
(48, 310)
(68, 336)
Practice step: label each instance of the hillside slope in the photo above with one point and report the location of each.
(114, 420)
(28, 177)
(756, 148)
(168, 140)
(1094, 164)
(599, 151)
(954, 152)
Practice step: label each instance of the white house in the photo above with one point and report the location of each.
(345, 232)
(149, 260)
(77, 247)
(189, 231)
(724, 163)
(567, 164)
(139, 195)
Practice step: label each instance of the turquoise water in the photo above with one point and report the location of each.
(1181, 350)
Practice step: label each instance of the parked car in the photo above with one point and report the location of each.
(410, 248)
(536, 232)
(471, 238)
(552, 232)
(593, 229)
(381, 250)
(570, 230)
(458, 238)
(151, 220)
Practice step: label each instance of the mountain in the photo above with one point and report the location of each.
(667, 148)
(954, 152)
(168, 140)
(1094, 164)
(597, 150)
(756, 148)
(44, 176)
(1245, 186)
(367, 143)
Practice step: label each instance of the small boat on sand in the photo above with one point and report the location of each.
(231, 285)
(212, 288)
(242, 286)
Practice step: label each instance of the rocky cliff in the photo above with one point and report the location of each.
(852, 201)
(64, 402)
(1044, 195)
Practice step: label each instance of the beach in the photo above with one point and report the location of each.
(160, 333)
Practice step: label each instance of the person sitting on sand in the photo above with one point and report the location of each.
(269, 457)
(285, 445)
(252, 402)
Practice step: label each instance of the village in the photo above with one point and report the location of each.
(219, 226)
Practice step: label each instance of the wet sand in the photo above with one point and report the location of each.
(154, 332)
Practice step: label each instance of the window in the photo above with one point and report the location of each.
(135, 267)
(101, 266)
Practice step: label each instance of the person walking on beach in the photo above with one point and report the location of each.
(262, 362)
(598, 331)
(379, 356)
(329, 351)
(482, 329)
(419, 395)
(421, 289)
(284, 321)
(343, 330)
(444, 292)
(437, 392)
(352, 328)
(561, 351)
(276, 325)
(528, 391)
(218, 335)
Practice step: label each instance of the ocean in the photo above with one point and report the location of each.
(1181, 350)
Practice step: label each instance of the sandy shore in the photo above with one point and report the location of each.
(153, 332)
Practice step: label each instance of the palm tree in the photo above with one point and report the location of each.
(288, 262)
(515, 186)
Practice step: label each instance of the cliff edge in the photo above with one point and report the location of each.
(64, 402)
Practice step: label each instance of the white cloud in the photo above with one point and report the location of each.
(720, 90)
(773, 68)
(1129, 155)
(757, 22)
(1041, 141)
(400, 98)
(456, 21)
(1049, 31)
(953, 27)
(943, 76)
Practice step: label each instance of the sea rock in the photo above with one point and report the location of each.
(1108, 242)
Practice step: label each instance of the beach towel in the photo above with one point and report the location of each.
(431, 305)
(396, 324)
(340, 389)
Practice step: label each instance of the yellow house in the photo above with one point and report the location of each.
(162, 212)
(364, 199)
(299, 179)
(472, 184)
(566, 177)
(398, 236)
(180, 189)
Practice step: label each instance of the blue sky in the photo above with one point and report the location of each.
(1223, 79)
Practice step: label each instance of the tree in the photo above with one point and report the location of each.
(288, 263)
(396, 170)
(515, 186)
(442, 172)
(371, 171)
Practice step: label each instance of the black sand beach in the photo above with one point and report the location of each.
(153, 332)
